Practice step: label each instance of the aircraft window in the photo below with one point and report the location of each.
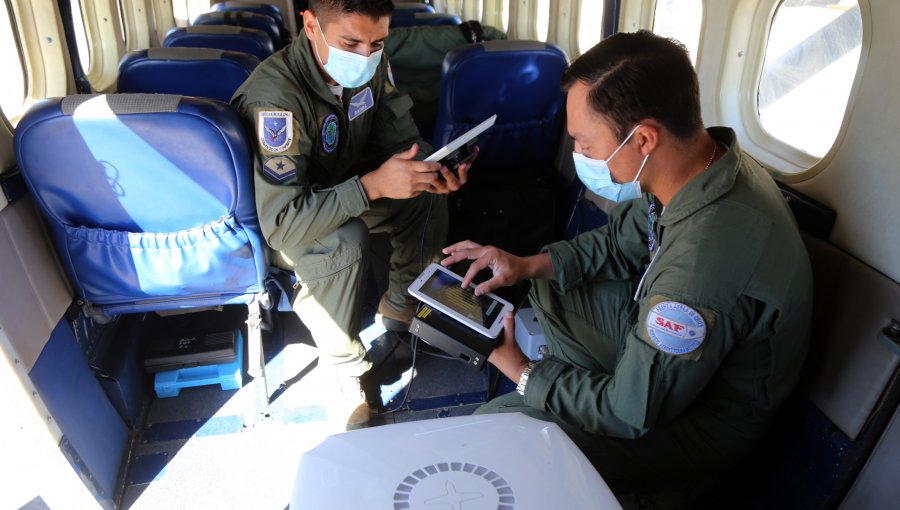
(810, 62)
(81, 42)
(543, 19)
(590, 28)
(12, 87)
(681, 20)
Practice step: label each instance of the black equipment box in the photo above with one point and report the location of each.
(457, 340)
(172, 353)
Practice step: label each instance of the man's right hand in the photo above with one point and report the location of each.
(401, 177)
(507, 268)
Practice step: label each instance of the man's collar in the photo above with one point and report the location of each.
(303, 54)
(710, 184)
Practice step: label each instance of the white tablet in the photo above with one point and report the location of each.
(455, 145)
(441, 289)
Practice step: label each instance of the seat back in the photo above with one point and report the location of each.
(247, 40)
(202, 72)
(520, 82)
(256, 7)
(243, 19)
(410, 18)
(148, 198)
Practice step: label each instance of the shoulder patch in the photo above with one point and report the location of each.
(275, 130)
(676, 328)
(280, 169)
(330, 133)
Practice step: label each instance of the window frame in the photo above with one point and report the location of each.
(741, 73)
(14, 26)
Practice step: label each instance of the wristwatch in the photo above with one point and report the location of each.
(520, 388)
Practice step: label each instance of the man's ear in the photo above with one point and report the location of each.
(310, 27)
(647, 136)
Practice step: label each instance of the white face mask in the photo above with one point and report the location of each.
(595, 175)
(347, 68)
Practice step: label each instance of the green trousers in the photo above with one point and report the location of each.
(586, 327)
(332, 273)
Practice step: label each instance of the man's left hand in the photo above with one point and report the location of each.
(508, 357)
(452, 182)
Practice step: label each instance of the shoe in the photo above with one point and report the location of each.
(347, 406)
(392, 318)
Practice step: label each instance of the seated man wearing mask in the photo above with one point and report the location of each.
(336, 158)
(675, 331)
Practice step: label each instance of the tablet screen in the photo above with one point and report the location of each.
(445, 289)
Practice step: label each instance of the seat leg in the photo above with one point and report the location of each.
(258, 404)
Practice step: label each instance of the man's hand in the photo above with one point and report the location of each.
(507, 268)
(508, 357)
(402, 177)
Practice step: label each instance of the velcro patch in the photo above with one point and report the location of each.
(280, 169)
(275, 130)
(360, 102)
(675, 328)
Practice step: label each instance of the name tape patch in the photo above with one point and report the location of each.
(360, 102)
(675, 328)
(275, 130)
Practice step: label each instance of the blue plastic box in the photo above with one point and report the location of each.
(228, 375)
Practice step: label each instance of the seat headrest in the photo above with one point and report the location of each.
(257, 7)
(202, 72)
(135, 162)
(517, 80)
(223, 37)
(409, 18)
(242, 19)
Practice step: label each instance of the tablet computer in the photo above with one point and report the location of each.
(461, 150)
(441, 289)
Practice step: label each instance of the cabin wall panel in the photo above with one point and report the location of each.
(861, 179)
(34, 294)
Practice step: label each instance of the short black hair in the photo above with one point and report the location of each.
(634, 76)
(374, 9)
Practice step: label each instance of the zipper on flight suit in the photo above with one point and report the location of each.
(654, 240)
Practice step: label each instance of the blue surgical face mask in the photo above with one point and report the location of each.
(595, 175)
(347, 68)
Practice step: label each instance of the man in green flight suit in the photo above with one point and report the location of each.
(675, 331)
(337, 158)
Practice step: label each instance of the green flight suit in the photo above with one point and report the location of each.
(310, 149)
(659, 415)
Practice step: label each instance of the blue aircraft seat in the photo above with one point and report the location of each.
(243, 19)
(148, 197)
(403, 7)
(256, 7)
(409, 19)
(247, 40)
(202, 72)
(520, 82)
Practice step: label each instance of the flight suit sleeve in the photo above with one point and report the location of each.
(292, 210)
(616, 251)
(651, 383)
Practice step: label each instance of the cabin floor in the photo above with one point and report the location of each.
(209, 448)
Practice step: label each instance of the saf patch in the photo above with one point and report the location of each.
(677, 329)
(280, 169)
(275, 130)
(359, 103)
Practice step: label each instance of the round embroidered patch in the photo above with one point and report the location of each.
(330, 134)
(675, 328)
